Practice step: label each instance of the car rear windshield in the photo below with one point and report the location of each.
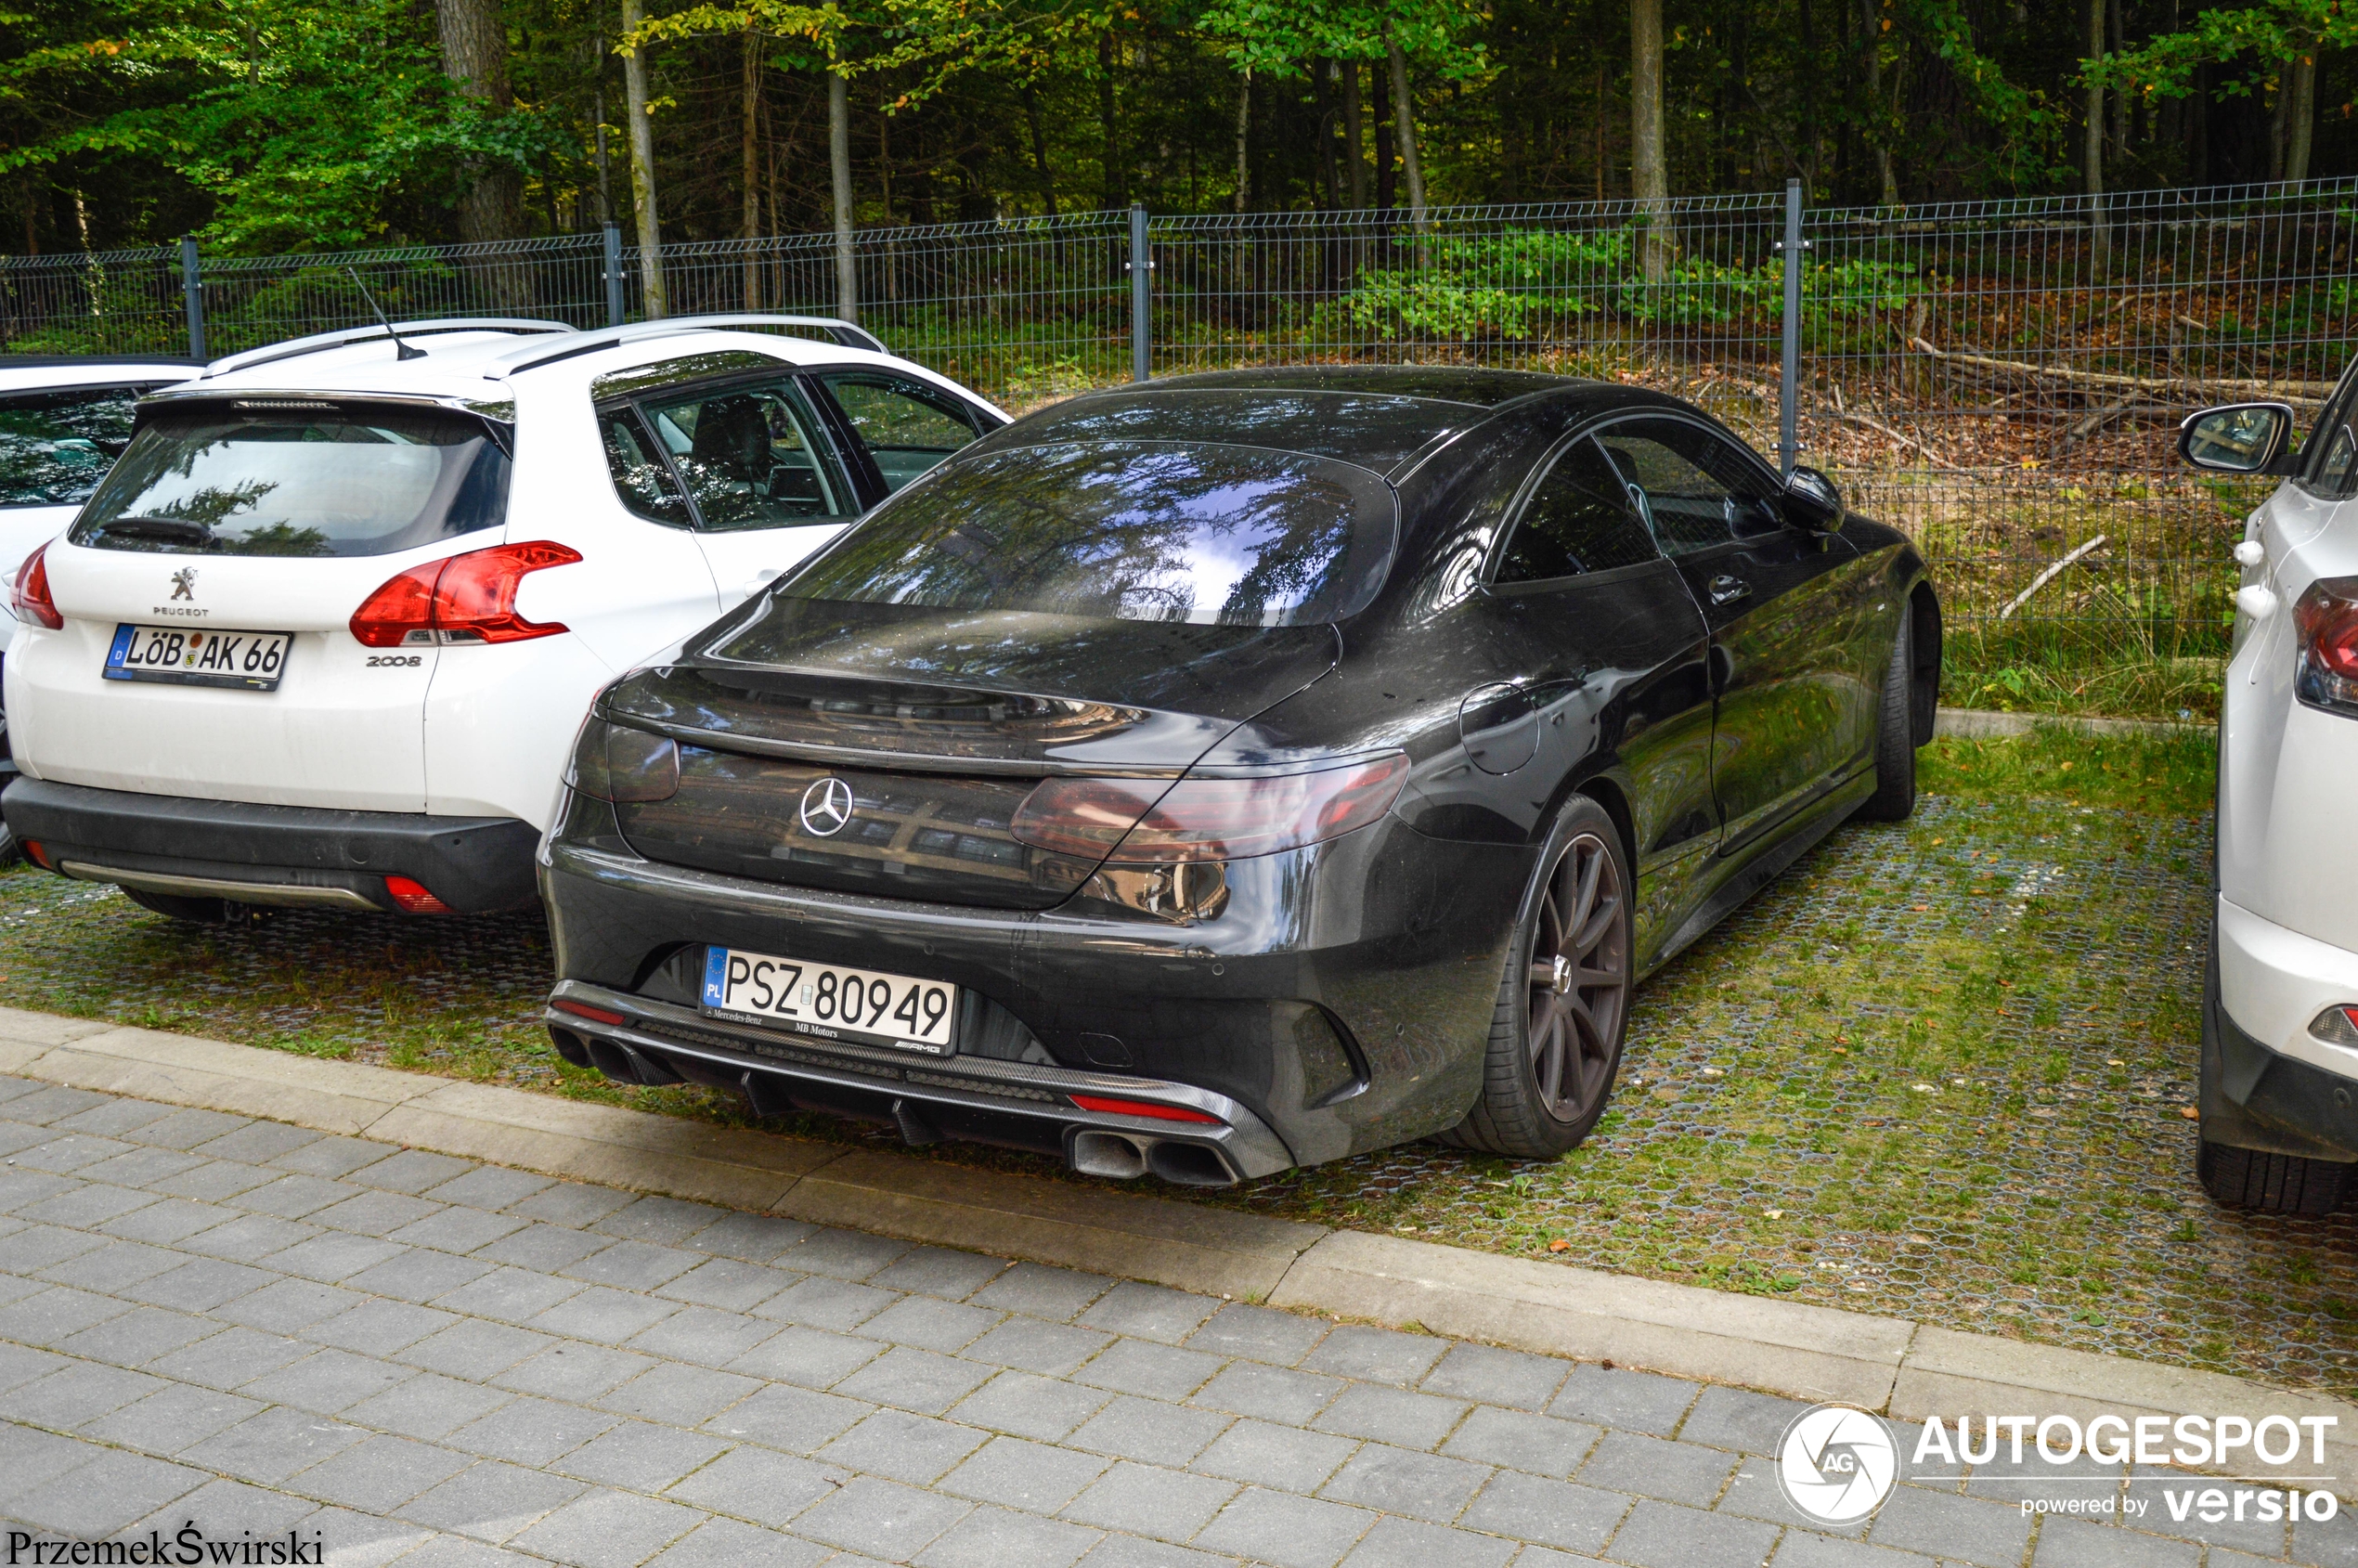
(1147, 531)
(55, 446)
(292, 480)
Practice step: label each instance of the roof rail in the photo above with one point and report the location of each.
(320, 343)
(842, 333)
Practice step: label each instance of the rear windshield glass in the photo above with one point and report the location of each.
(360, 481)
(55, 446)
(1140, 531)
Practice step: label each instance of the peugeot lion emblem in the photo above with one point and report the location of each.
(826, 806)
(184, 583)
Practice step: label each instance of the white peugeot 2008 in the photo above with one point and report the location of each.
(2279, 1077)
(324, 634)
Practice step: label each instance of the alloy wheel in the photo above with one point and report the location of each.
(1579, 979)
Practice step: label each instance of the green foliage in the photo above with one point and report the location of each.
(1518, 285)
(2259, 39)
(301, 121)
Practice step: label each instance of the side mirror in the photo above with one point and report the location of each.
(2238, 438)
(1812, 502)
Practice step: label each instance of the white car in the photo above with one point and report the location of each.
(325, 633)
(2279, 1079)
(64, 419)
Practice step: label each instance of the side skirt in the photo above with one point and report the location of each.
(1768, 862)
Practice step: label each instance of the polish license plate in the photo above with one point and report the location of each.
(829, 1002)
(252, 661)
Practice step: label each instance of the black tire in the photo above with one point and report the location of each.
(1895, 797)
(10, 850)
(201, 912)
(2273, 1183)
(1555, 1041)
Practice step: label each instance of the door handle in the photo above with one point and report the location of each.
(760, 580)
(1726, 590)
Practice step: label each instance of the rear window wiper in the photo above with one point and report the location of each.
(159, 528)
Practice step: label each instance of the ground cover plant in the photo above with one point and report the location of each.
(1940, 1071)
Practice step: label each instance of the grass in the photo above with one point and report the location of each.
(1939, 1070)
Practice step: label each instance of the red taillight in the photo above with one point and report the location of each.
(30, 598)
(413, 898)
(1133, 1107)
(468, 598)
(2324, 624)
(38, 855)
(583, 1010)
(1206, 819)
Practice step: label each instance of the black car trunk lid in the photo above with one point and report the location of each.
(883, 749)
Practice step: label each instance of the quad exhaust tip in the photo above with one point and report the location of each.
(1127, 1156)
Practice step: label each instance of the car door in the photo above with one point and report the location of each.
(763, 477)
(1789, 715)
(898, 425)
(1622, 669)
(664, 587)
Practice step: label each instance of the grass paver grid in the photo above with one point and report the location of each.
(1394, 1456)
(1939, 1070)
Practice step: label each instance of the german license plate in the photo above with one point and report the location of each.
(251, 661)
(829, 1002)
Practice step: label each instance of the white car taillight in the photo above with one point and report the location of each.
(468, 598)
(28, 596)
(2324, 625)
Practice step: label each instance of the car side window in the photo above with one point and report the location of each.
(1696, 488)
(641, 479)
(905, 426)
(751, 457)
(1579, 519)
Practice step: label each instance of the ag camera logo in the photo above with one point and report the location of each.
(1837, 1463)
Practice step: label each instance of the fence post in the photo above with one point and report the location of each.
(615, 312)
(1141, 297)
(192, 291)
(1789, 377)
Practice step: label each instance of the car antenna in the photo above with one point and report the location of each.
(400, 350)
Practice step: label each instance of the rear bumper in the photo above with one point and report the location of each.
(1016, 1105)
(2253, 1096)
(297, 855)
(1344, 997)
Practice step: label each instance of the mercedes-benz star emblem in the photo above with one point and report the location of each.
(826, 808)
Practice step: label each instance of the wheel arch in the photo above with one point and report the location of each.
(1923, 659)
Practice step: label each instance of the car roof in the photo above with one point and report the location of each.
(1377, 416)
(39, 372)
(475, 365)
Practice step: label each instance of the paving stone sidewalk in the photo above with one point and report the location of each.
(419, 1358)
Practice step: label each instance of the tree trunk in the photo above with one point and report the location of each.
(2302, 117)
(1878, 127)
(1649, 177)
(1244, 133)
(1325, 104)
(750, 133)
(839, 162)
(1355, 132)
(2120, 101)
(1115, 194)
(2092, 149)
(652, 298)
(1404, 129)
(1039, 155)
(474, 55)
(598, 113)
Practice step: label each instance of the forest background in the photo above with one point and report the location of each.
(274, 125)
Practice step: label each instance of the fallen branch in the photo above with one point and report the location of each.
(2294, 392)
(2043, 578)
(1896, 436)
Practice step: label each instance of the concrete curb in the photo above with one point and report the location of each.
(1983, 724)
(1907, 1371)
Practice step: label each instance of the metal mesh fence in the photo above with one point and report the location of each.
(1999, 377)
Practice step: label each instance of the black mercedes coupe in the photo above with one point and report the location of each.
(1237, 771)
